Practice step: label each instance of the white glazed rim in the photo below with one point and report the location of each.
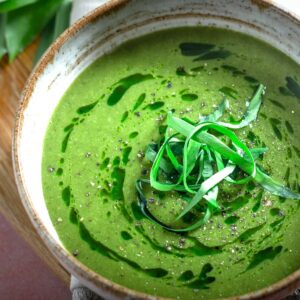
(88, 277)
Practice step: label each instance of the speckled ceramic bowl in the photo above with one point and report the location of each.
(99, 33)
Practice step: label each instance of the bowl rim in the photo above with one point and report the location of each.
(66, 259)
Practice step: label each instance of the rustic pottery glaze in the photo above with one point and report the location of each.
(96, 34)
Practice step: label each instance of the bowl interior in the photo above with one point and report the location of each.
(101, 32)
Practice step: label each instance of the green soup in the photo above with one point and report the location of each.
(93, 154)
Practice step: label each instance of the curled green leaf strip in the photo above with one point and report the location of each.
(193, 161)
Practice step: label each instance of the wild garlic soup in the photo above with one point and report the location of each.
(180, 127)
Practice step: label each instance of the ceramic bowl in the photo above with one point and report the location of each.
(91, 37)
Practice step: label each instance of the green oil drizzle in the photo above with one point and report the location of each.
(59, 171)
(228, 92)
(126, 236)
(139, 101)
(246, 235)
(124, 116)
(66, 195)
(154, 106)
(218, 54)
(133, 134)
(266, 254)
(180, 71)
(276, 103)
(199, 249)
(277, 132)
(204, 279)
(116, 161)
(289, 127)
(87, 108)
(237, 203)
(297, 151)
(263, 115)
(197, 69)
(289, 152)
(275, 212)
(189, 97)
(65, 141)
(257, 204)
(287, 174)
(186, 276)
(156, 272)
(123, 86)
(69, 127)
(104, 163)
(235, 71)
(277, 224)
(274, 123)
(73, 216)
(95, 245)
(231, 220)
(293, 86)
(285, 91)
(251, 79)
(195, 49)
(126, 153)
(118, 176)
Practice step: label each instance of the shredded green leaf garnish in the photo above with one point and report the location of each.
(193, 161)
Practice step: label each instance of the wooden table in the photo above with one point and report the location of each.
(12, 80)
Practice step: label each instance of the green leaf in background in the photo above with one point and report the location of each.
(3, 49)
(46, 39)
(62, 18)
(8, 5)
(24, 24)
(54, 28)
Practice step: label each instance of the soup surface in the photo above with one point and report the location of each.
(93, 154)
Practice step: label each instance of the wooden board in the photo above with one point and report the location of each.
(12, 80)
